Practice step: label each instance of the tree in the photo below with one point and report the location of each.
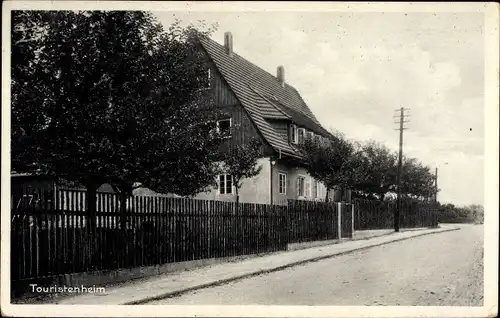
(335, 162)
(475, 213)
(240, 161)
(417, 180)
(380, 170)
(449, 213)
(111, 97)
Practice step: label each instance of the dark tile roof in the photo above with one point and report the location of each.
(301, 119)
(261, 94)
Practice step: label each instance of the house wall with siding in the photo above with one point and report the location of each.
(225, 99)
(244, 129)
(222, 94)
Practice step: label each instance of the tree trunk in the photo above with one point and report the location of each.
(124, 191)
(236, 207)
(123, 211)
(326, 197)
(91, 227)
(381, 197)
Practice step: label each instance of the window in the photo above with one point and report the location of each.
(301, 134)
(301, 186)
(224, 127)
(316, 189)
(310, 135)
(293, 134)
(282, 180)
(225, 184)
(317, 138)
(205, 79)
(324, 141)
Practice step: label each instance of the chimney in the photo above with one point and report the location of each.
(281, 75)
(228, 43)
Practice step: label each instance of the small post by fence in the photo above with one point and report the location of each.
(339, 219)
(352, 218)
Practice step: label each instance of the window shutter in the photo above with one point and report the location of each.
(301, 135)
(284, 183)
(308, 187)
(297, 185)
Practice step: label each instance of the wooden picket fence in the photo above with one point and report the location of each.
(311, 221)
(51, 236)
(316, 221)
(373, 214)
(48, 242)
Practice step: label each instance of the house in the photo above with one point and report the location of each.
(263, 106)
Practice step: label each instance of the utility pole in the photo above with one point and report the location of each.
(436, 189)
(402, 121)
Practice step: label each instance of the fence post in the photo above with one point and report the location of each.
(352, 218)
(339, 219)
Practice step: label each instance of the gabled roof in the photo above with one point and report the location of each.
(261, 94)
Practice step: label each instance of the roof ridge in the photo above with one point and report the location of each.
(312, 114)
(248, 61)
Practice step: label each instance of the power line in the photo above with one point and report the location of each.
(403, 119)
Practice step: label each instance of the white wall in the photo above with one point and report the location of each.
(293, 172)
(253, 190)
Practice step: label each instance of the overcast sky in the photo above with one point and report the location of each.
(355, 69)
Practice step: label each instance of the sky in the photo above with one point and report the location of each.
(354, 69)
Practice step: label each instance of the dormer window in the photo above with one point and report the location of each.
(224, 127)
(301, 132)
(310, 135)
(326, 142)
(293, 134)
(317, 138)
